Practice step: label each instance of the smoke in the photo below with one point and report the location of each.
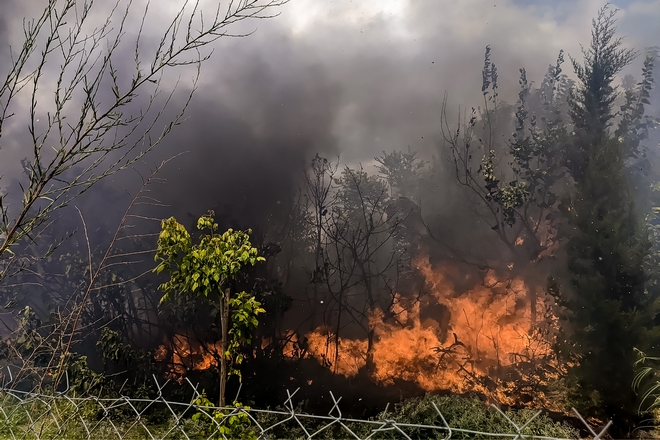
(354, 80)
(248, 147)
(342, 79)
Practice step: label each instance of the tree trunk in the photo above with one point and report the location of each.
(223, 359)
(370, 362)
(371, 334)
(533, 299)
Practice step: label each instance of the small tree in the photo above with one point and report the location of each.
(591, 102)
(401, 171)
(357, 253)
(514, 183)
(605, 305)
(210, 269)
(605, 300)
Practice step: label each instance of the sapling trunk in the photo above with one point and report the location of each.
(223, 358)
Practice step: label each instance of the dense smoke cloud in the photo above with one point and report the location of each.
(247, 165)
(344, 78)
(355, 80)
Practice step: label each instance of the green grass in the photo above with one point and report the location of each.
(61, 419)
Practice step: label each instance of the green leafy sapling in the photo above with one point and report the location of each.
(208, 269)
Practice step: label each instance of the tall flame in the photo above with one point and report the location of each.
(484, 340)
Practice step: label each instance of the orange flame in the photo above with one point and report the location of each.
(187, 354)
(485, 341)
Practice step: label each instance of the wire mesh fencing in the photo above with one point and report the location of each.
(64, 415)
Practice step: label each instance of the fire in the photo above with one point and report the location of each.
(351, 355)
(481, 340)
(185, 354)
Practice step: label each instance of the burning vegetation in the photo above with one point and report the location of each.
(185, 354)
(481, 340)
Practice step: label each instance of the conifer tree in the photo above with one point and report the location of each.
(605, 303)
(592, 100)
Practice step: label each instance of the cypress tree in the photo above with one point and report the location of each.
(605, 304)
(590, 103)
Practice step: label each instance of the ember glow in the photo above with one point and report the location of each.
(479, 340)
(186, 354)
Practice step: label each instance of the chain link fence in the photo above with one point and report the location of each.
(63, 415)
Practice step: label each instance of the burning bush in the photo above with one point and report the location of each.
(484, 341)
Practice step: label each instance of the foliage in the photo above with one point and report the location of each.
(361, 197)
(232, 423)
(509, 160)
(401, 170)
(208, 269)
(204, 268)
(606, 248)
(605, 306)
(592, 100)
(82, 289)
(515, 182)
(647, 385)
(634, 125)
(84, 380)
(354, 251)
(135, 363)
(647, 380)
(468, 413)
(473, 414)
(36, 346)
(74, 419)
(244, 309)
(562, 158)
(605, 302)
(30, 339)
(104, 421)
